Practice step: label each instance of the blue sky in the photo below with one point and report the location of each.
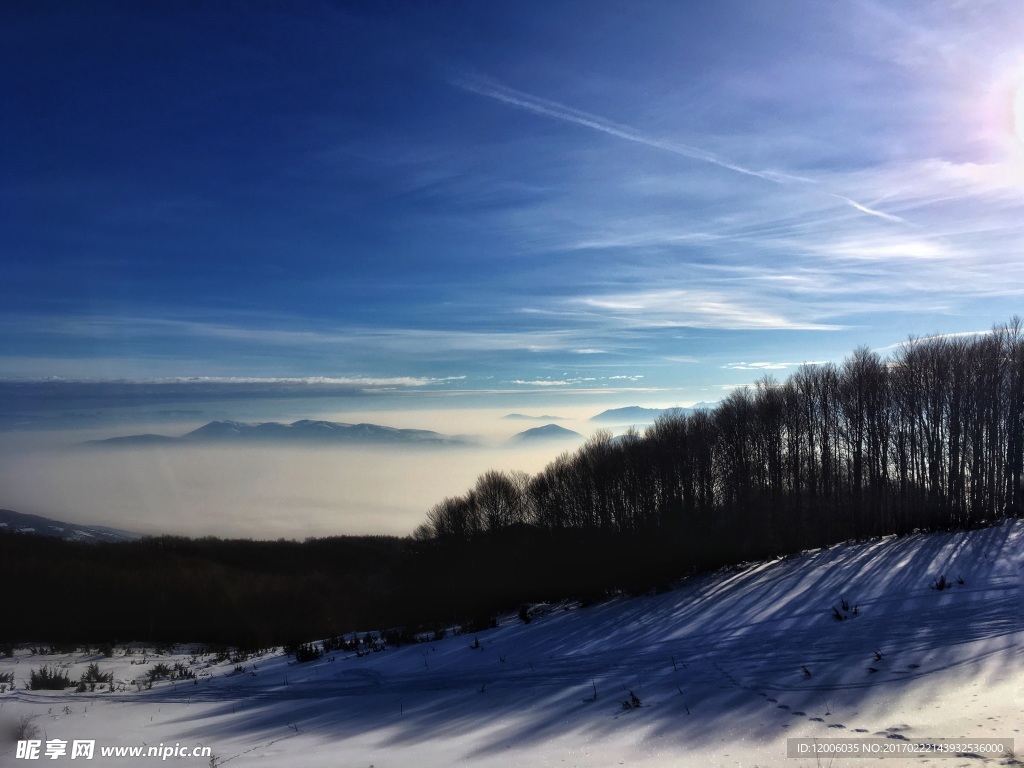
(651, 201)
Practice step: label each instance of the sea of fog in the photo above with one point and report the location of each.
(252, 492)
(261, 491)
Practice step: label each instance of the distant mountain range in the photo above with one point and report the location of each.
(18, 522)
(634, 414)
(298, 432)
(312, 432)
(549, 432)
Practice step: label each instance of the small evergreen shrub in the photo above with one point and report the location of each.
(92, 674)
(48, 679)
(633, 702)
(307, 652)
(397, 637)
(158, 671)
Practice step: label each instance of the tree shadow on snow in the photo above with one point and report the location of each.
(748, 654)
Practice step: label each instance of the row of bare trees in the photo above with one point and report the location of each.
(930, 437)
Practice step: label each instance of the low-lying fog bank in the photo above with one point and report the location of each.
(252, 492)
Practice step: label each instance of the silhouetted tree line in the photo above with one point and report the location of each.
(929, 438)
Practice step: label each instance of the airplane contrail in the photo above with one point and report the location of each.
(565, 113)
(558, 111)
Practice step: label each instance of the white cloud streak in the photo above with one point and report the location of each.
(492, 89)
(934, 337)
(395, 339)
(695, 309)
(769, 366)
(888, 249)
(870, 211)
(357, 381)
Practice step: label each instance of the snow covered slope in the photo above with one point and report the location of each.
(722, 669)
(19, 522)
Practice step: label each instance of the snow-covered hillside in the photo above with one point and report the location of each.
(18, 522)
(724, 669)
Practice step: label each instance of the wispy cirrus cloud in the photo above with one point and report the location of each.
(889, 249)
(769, 366)
(359, 381)
(575, 381)
(643, 235)
(297, 333)
(695, 309)
(919, 184)
(933, 337)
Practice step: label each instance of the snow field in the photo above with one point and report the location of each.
(725, 667)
